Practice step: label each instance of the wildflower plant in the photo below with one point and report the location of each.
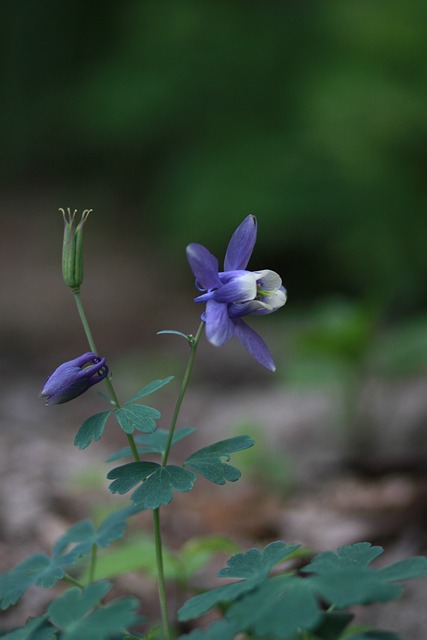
(269, 593)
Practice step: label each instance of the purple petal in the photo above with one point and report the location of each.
(241, 245)
(219, 328)
(204, 265)
(253, 343)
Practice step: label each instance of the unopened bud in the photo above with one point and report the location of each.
(72, 248)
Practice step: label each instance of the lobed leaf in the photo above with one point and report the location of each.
(34, 629)
(158, 487)
(150, 388)
(211, 462)
(83, 535)
(278, 608)
(129, 475)
(38, 569)
(137, 416)
(253, 565)
(91, 429)
(345, 578)
(72, 613)
(257, 563)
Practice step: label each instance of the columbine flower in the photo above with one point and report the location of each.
(73, 378)
(233, 293)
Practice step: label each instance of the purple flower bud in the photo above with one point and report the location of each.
(73, 378)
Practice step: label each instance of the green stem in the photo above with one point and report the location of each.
(72, 581)
(107, 380)
(156, 512)
(93, 559)
(194, 344)
(92, 345)
(161, 575)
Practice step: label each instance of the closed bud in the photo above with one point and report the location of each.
(72, 247)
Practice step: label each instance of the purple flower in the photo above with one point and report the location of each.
(235, 292)
(73, 378)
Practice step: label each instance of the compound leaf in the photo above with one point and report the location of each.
(129, 475)
(137, 416)
(150, 388)
(158, 487)
(211, 462)
(91, 429)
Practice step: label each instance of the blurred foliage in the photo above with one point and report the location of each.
(183, 116)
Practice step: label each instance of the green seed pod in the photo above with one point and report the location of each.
(72, 248)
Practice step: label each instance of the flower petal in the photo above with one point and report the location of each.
(241, 245)
(268, 280)
(204, 265)
(219, 328)
(254, 344)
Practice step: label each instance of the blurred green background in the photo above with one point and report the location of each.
(174, 119)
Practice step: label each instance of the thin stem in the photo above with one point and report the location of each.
(156, 512)
(93, 559)
(71, 580)
(161, 575)
(194, 344)
(92, 345)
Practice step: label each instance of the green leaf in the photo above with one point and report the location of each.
(257, 563)
(137, 416)
(150, 388)
(345, 578)
(253, 565)
(129, 475)
(152, 442)
(72, 613)
(91, 429)
(278, 608)
(221, 630)
(158, 488)
(332, 625)
(211, 461)
(34, 629)
(38, 569)
(83, 535)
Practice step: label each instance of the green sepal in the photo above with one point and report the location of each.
(73, 613)
(211, 461)
(91, 429)
(152, 443)
(137, 416)
(150, 388)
